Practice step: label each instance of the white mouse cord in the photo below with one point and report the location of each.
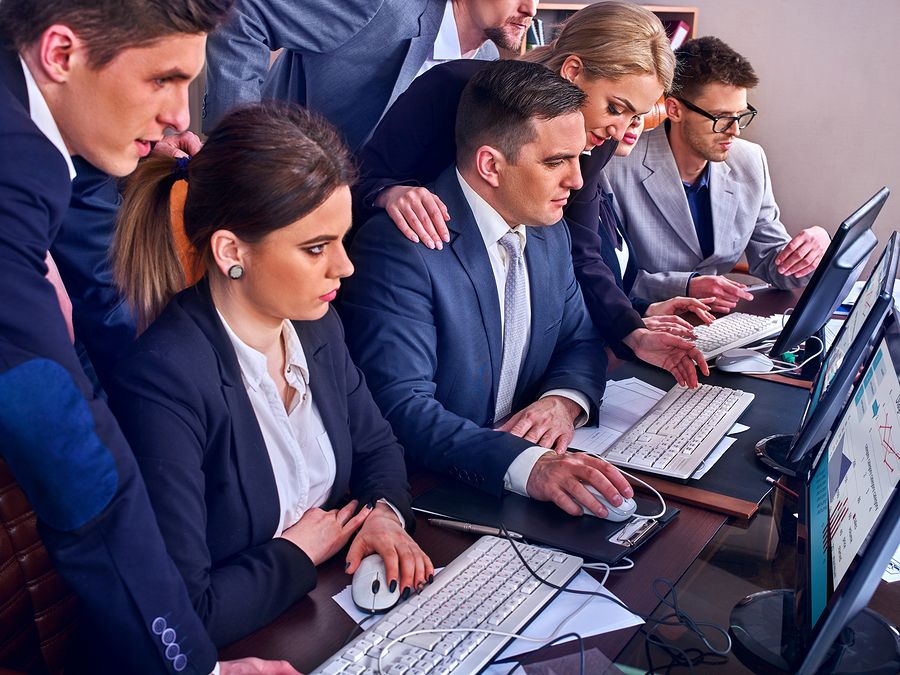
(790, 367)
(654, 491)
(606, 569)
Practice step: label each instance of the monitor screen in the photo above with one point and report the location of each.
(835, 275)
(854, 323)
(854, 480)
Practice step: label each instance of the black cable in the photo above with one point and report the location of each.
(676, 618)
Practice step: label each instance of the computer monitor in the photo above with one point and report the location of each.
(848, 528)
(835, 275)
(847, 352)
(852, 505)
(834, 379)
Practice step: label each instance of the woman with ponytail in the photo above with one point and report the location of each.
(260, 444)
(618, 53)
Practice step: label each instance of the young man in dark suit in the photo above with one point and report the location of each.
(484, 360)
(101, 81)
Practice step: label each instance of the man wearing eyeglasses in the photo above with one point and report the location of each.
(694, 196)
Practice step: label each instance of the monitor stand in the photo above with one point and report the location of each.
(766, 639)
(773, 451)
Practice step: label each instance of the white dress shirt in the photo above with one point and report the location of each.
(43, 119)
(298, 445)
(446, 44)
(492, 227)
(622, 256)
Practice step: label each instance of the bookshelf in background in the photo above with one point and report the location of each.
(551, 14)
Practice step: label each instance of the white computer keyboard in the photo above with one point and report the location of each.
(677, 434)
(486, 587)
(734, 330)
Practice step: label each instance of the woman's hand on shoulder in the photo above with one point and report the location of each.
(320, 534)
(404, 561)
(418, 213)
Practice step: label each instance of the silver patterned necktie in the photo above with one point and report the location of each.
(515, 327)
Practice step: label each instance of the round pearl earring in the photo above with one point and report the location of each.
(236, 271)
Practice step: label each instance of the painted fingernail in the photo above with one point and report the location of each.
(393, 585)
(430, 578)
(405, 594)
(420, 587)
(371, 505)
(347, 566)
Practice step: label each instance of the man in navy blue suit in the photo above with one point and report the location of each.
(101, 81)
(484, 360)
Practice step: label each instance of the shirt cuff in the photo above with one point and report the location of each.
(216, 669)
(583, 401)
(395, 510)
(517, 474)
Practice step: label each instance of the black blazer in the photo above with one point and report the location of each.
(60, 439)
(181, 402)
(414, 142)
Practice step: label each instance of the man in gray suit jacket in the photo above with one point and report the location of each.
(694, 197)
(349, 60)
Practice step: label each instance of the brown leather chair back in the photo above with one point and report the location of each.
(657, 114)
(37, 609)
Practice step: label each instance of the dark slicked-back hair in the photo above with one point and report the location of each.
(501, 101)
(708, 60)
(109, 26)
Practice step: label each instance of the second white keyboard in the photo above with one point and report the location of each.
(679, 431)
(734, 330)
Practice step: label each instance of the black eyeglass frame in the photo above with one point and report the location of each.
(732, 119)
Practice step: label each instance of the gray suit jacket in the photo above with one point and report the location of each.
(347, 59)
(650, 200)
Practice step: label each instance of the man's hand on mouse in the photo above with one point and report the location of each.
(561, 479)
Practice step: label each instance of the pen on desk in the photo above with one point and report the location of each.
(471, 528)
(784, 488)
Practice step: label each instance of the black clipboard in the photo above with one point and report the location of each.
(543, 522)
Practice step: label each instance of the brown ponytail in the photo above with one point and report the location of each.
(262, 168)
(146, 267)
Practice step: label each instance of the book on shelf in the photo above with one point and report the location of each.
(677, 31)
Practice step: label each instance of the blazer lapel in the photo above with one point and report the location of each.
(333, 411)
(537, 258)
(724, 201)
(419, 47)
(664, 187)
(257, 477)
(468, 246)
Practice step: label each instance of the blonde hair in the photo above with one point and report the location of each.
(613, 40)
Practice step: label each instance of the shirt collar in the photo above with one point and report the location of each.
(43, 118)
(446, 44)
(490, 223)
(253, 362)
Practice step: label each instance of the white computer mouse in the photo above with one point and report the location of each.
(614, 513)
(369, 587)
(743, 361)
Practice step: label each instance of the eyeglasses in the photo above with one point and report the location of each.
(722, 123)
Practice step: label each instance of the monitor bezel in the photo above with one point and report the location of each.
(846, 235)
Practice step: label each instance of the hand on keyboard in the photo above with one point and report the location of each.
(669, 352)
(671, 324)
(682, 305)
(726, 292)
(404, 561)
(251, 666)
(548, 422)
(560, 479)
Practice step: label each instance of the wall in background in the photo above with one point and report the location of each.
(829, 100)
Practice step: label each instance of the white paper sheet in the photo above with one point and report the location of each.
(713, 457)
(892, 573)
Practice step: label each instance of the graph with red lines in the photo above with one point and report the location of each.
(863, 461)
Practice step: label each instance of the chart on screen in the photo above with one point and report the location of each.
(864, 461)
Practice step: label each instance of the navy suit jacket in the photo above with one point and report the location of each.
(61, 441)
(415, 142)
(345, 60)
(182, 403)
(424, 325)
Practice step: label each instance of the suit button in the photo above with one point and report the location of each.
(180, 663)
(158, 625)
(168, 636)
(172, 651)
